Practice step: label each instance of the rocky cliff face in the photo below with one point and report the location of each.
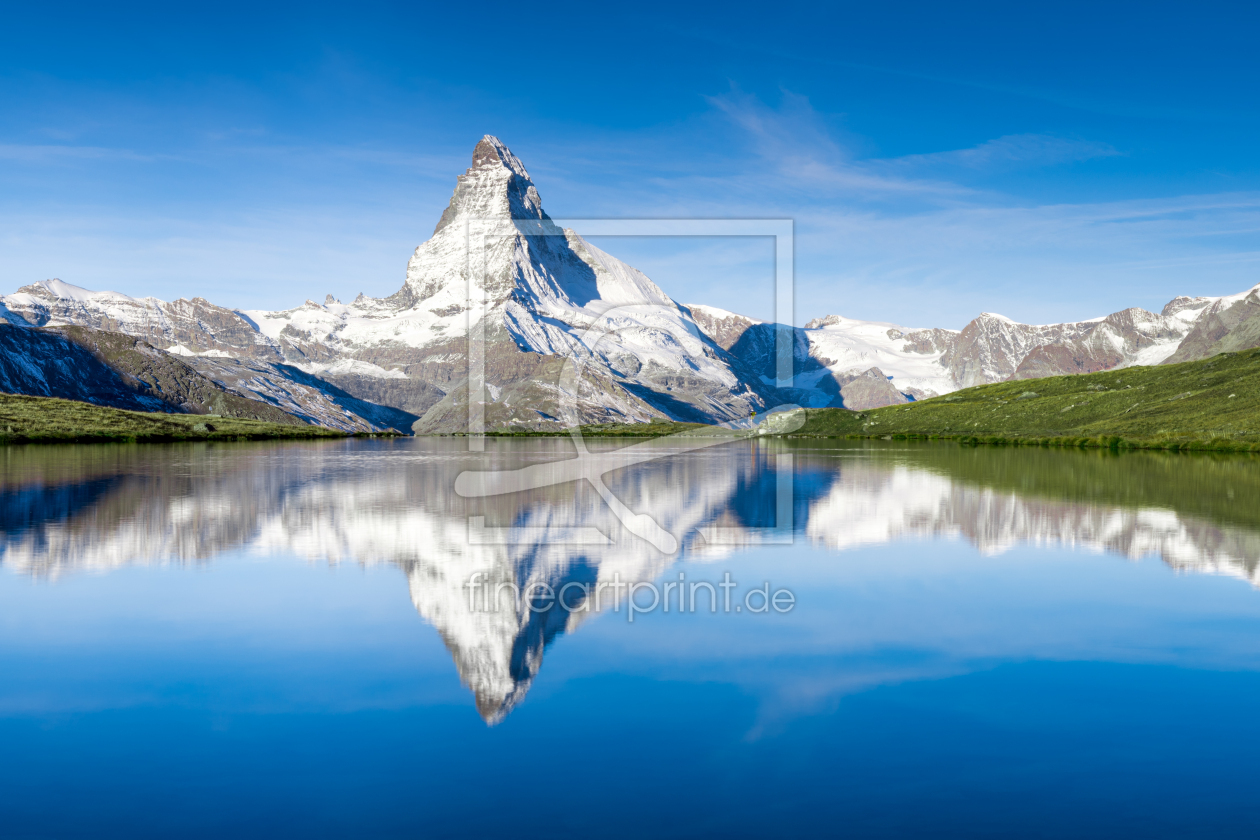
(42, 363)
(122, 371)
(1129, 337)
(869, 389)
(990, 347)
(301, 395)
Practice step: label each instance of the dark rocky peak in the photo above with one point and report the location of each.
(491, 152)
(932, 340)
(496, 186)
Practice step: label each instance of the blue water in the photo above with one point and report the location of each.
(1013, 667)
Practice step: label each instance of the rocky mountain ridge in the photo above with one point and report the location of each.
(568, 333)
(992, 348)
(214, 348)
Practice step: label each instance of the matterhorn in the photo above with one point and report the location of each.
(501, 286)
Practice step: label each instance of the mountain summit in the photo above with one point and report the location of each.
(496, 186)
(498, 270)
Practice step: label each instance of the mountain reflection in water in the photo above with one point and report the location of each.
(78, 508)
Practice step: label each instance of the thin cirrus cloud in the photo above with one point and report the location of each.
(796, 141)
(1011, 152)
(802, 152)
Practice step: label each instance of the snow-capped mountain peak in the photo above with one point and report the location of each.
(496, 186)
(56, 289)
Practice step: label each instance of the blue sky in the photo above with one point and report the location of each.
(1045, 161)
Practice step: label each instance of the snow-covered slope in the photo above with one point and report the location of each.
(496, 265)
(912, 358)
(193, 327)
(833, 353)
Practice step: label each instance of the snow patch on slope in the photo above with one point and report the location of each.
(352, 367)
(847, 345)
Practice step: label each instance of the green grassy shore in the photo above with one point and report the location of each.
(47, 420)
(1212, 404)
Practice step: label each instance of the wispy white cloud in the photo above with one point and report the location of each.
(803, 152)
(1011, 151)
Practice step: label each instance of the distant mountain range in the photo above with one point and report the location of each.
(402, 361)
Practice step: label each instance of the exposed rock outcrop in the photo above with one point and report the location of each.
(869, 389)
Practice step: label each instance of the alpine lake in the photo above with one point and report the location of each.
(762, 638)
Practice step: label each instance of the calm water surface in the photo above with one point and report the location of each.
(281, 640)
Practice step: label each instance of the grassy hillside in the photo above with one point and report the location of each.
(45, 419)
(1208, 404)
